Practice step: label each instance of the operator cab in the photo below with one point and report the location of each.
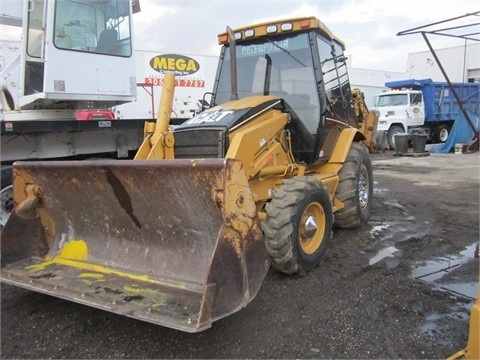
(299, 61)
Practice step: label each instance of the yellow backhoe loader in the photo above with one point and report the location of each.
(185, 233)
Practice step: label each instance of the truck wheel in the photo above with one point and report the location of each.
(355, 188)
(298, 226)
(6, 195)
(394, 130)
(440, 134)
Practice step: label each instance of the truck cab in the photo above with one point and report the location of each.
(57, 36)
(401, 111)
(74, 62)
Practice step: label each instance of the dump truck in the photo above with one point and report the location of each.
(74, 61)
(185, 233)
(423, 106)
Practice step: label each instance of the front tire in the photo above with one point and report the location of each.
(298, 226)
(394, 130)
(355, 188)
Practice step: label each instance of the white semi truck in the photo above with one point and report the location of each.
(74, 87)
(75, 61)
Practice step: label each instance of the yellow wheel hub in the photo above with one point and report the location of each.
(312, 228)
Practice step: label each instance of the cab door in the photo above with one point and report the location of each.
(416, 110)
(33, 54)
(80, 52)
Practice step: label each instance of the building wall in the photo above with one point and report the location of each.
(372, 82)
(461, 63)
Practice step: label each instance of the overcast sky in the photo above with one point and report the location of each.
(368, 27)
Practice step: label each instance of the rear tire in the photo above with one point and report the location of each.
(298, 226)
(355, 188)
(440, 133)
(394, 130)
(6, 195)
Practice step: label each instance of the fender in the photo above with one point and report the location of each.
(342, 146)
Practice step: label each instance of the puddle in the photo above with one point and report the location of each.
(399, 230)
(394, 203)
(464, 289)
(435, 323)
(377, 189)
(382, 254)
(430, 327)
(433, 270)
(378, 229)
(426, 183)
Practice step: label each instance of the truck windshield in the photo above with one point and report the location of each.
(292, 74)
(391, 100)
(97, 26)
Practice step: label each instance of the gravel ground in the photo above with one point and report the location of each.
(402, 287)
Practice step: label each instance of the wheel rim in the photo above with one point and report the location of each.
(363, 187)
(6, 204)
(312, 228)
(443, 135)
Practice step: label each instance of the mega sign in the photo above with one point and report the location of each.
(180, 65)
(186, 69)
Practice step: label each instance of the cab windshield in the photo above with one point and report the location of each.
(291, 74)
(391, 100)
(95, 26)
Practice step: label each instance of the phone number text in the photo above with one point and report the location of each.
(178, 82)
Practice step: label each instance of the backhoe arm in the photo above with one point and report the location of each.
(158, 142)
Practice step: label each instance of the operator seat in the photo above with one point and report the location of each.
(107, 42)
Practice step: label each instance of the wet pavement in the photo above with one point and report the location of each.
(432, 271)
(402, 287)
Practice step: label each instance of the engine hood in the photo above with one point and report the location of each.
(233, 113)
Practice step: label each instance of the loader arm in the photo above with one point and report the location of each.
(159, 141)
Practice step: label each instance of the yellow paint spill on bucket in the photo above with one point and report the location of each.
(75, 250)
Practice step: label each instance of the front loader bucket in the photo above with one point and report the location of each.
(172, 242)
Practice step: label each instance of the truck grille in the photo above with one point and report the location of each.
(201, 143)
